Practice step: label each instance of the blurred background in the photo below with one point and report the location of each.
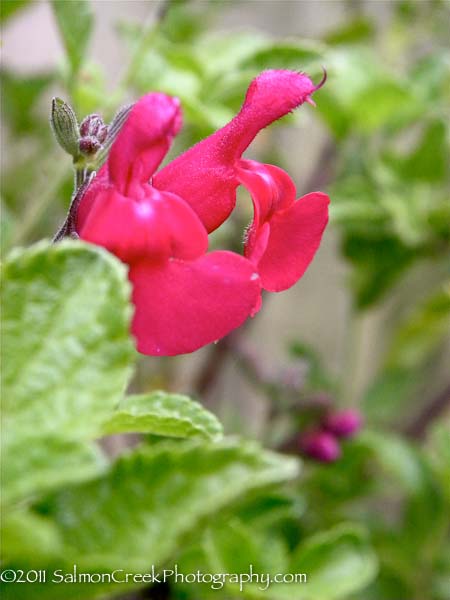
(368, 326)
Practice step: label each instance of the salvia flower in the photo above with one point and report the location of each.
(184, 296)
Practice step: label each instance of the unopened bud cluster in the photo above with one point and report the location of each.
(84, 140)
(93, 133)
(322, 442)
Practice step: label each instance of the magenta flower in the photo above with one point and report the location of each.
(184, 296)
(344, 423)
(320, 445)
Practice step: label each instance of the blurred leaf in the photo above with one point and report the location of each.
(91, 94)
(22, 532)
(10, 7)
(20, 96)
(429, 160)
(378, 264)
(75, 21)
(362, 96)
(225, 52)
(359, 30)
(390, 394)
(424, 511)
(65, 326)
(340, 483)
(421, 331)
(285, 55)
(49, 463)
(412, 345)
(430, 76)
(337, 563)
(7, 223)
(440, 441)
(317, 377)
(232, 547)
(160, 413)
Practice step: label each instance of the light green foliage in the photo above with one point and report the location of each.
(334, 563)
(159, 413)
(414, 340)
(75, 23)
(10, 7)
(67, 359)
(67, 362)
(138, 512)
(338, 562)
(65, 328)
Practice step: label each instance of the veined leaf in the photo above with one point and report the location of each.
(338, 562)
(142, 510)
(161, 413)
(66, 359)
(44, 464)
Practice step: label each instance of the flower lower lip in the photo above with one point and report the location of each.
(309, 100)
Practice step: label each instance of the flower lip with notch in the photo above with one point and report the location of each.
(184, 296)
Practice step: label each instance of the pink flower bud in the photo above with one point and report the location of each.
(91, 125)
(89, 145)
(320, 445)
(343, 423)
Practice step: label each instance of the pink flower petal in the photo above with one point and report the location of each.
(295, 235)
(204, 175)
(272, 190)
(284, 234)
(181, 306)
(99, 184)
(158, 227)
(143, 141)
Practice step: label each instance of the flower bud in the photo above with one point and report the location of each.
(89, 145)
(91, 125)
(65, 126)
(320, 445)
(343, 423)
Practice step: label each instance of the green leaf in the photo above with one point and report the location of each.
(421, 332)
(66, 360)
(412, 346)
(378, 264)
(428, 161)
(49, 463)
(359, 30)
(424, 511)
(330, 565)
(362, 95)
(20, 96)
(390, 394)
(141, 512)
(160, 413)
(75, 21)
(10, 7)
(338, 562)
(285, 55)
(24, 531)
(160, 493)
(232, 547)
